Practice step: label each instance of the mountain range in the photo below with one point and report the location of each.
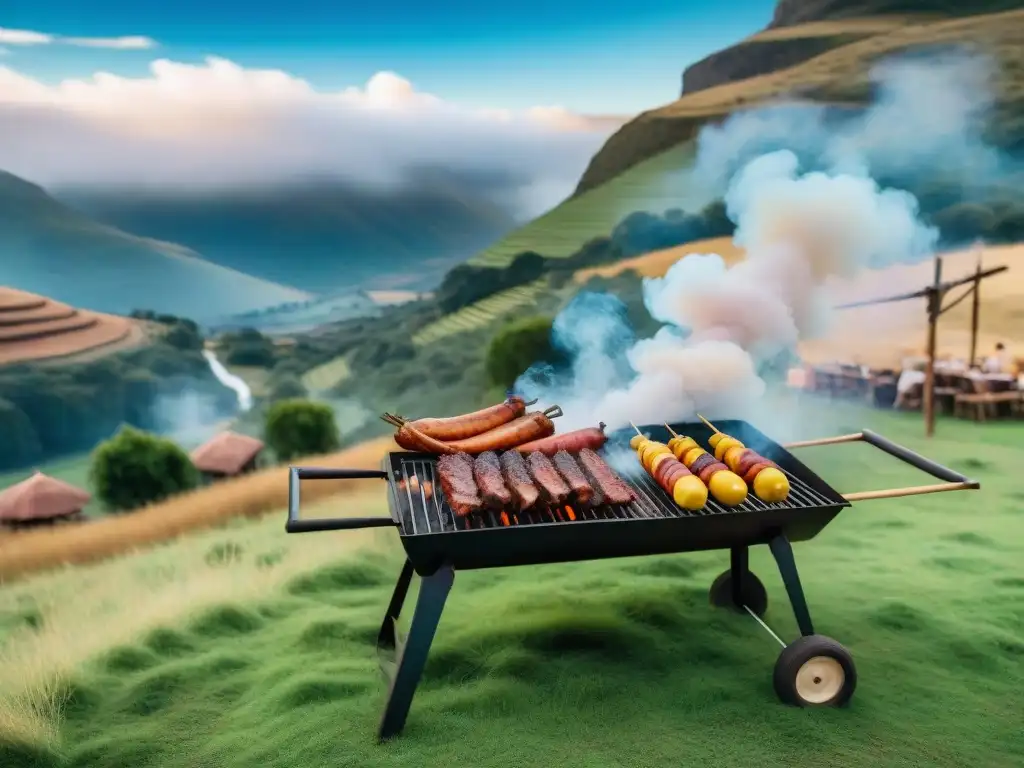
(53, 250)
(321, 235)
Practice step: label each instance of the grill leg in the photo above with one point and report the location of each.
(739, 567)
(411, 653)
(783, 553)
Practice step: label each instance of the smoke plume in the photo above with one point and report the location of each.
(808, 209)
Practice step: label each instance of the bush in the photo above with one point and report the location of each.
(287, 387)
(20, 444)
(136, 468)
(248, 347)
(964, 222)
(184, 335)
(300, 428)
(517, 347)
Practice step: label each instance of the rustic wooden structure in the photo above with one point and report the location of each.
(935, 294)
(41, 500)
(228, 454)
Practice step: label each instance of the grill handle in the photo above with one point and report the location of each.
(295, 477)
(954, 481)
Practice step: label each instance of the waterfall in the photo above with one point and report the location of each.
(229, 380)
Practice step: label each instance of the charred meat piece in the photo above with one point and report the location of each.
(612, 487)
(581, 491)
(490, 483)
(456, 473)
(553, 489)
(518, 480)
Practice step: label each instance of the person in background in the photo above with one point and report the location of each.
(998, 362)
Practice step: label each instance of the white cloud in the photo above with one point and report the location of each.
(125, 43)
(23, 37)
(31, 37)
(217, 123)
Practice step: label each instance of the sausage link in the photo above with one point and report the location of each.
(471, 424)
(573, 442)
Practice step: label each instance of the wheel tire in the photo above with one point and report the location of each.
(754, 595)
(815, 671)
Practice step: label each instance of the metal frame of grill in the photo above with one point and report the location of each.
(438, 543)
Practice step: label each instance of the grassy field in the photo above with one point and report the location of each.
(483, 313)
(242, 647)
(327, 376)
(567, 226)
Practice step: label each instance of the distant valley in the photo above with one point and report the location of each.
(320, 236)
(50, 249)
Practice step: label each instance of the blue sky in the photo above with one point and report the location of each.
(615, 57)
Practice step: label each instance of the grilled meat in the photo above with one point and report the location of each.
(612, 488)
(553, 488)
(490, 483)
(518, 480)
(581, 491)
(457, 482)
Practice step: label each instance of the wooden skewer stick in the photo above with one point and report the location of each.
(709, 425)
(634, 426)
(671, 431)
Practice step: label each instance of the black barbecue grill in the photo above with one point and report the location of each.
(814, 670)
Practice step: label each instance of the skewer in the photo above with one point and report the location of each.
(634, 426)
(671, 431)
(709, 425)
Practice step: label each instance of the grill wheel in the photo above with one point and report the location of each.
(815, 671)
(754, 594)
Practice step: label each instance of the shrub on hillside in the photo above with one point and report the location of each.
(641, 232)
(964, 222)
(184, 334)
(518, 346)
(300, 428)
(135, 468)
(287, 387)
(466, 284)
(20, 444)
(247, 347)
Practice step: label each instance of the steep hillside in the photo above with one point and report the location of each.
(823, 57)
(320, 236)
(50, 249)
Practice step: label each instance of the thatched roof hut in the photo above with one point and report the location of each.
(227, 454)
(39, 500)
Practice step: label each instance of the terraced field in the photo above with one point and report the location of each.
(480, 314)
(327, 376)
(34, 328)
(562, 230)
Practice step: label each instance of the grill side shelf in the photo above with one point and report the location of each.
(297, 525)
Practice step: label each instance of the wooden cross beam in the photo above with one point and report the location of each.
(935, 293)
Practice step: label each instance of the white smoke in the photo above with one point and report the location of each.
(800, 231)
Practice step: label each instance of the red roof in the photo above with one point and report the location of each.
(41, 497)
(226, 453)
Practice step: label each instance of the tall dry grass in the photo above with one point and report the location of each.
(250, 496)
(82, 612)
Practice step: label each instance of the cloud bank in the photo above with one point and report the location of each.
(218, 124)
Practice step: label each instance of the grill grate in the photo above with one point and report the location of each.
(424, 510)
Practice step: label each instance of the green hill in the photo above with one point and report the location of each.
(826, 58)
(51, 249)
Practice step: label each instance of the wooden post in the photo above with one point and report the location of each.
(975, 311)
(934, 309)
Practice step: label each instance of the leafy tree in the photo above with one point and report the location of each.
(287, 387)
(517, 347)
(184, 335)
(248, 347)
(300, 428)
(135, 468)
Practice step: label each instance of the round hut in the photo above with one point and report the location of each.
(41, 500)
(228, 454)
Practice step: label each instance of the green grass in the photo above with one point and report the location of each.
(327, 376)
(73, 469)
(567, 226)
(481, 314)
(610, 663)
